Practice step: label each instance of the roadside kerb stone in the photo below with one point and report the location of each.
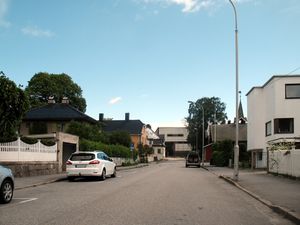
(131, 167)
(278, 209)
(64, 177)
(42, 183)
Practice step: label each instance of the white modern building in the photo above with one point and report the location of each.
(273, 117)
(175, 140)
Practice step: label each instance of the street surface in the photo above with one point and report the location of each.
(164, 193)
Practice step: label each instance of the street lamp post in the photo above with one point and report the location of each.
(202, 135)
(236, 146)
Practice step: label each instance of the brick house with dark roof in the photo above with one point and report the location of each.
(51, 118)
(135, 128)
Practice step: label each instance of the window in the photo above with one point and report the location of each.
(284, 126)
(268, 128)
(159, 151)
(82, 157)
(292, 91)
(175, 135)
(60, 127)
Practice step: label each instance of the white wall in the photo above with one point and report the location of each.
(182, 147)
(286, 164)
(173, 131)
(256, 119)
(265, 104)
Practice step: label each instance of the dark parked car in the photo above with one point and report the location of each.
(6, 185)
(192, 159)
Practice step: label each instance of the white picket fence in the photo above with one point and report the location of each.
(18, 150)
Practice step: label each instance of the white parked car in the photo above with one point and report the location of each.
(90, 164)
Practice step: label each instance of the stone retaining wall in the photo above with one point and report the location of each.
(25, 169)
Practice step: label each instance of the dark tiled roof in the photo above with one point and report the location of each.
(57, 112)
(131, 126)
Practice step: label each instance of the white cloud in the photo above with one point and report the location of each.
(3, 11)
(188, 5)
(36, 32)
(192, 5)
(115, 100)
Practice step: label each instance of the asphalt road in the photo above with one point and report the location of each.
(164, 193)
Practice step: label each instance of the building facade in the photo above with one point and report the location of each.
(273, 116)
(175, 140)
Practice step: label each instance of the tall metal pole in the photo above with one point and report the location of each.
(236, 146)
(202, 135)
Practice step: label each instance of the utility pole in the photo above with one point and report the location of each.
(236, 146)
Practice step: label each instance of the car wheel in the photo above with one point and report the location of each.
(186, 165)
(103, 175)
(6, 191)
(115, 172)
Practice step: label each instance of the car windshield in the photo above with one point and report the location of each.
(82, 157)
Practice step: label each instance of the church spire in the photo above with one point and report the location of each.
(242, 118)
(241, 112)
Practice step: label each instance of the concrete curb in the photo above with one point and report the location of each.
(131, 167)
(65, 177)
(278, 209)
(42, 183)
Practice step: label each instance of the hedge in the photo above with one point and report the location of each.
(110, 150)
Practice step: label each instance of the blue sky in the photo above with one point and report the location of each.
(150, 57)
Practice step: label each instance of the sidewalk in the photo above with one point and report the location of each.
(279, 193)
(26, 182)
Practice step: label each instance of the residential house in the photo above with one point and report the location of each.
(175, 140)
(135, 128)
(222, 132)
(140, 133)
(157, 143)
(52, 118)
(274, 117)
(51, 122)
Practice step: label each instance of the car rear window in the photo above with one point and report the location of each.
(193, 155)
(82, 157)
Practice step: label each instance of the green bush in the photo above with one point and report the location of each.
(222, 152)
(28, 140)
(218, 158)
(48, 142)
(111, 150)
(119, 138)
(87, 131)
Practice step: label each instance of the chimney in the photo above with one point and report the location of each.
(51, 100)
(127, 116)
(65, 100)
(101, 117)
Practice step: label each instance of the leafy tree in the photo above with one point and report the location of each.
(87, 131)
(120, 138)
(13, 105)
(214, 112)
(144, 151)
(43, 85)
